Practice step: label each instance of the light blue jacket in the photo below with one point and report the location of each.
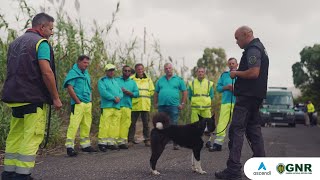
(80, 81)
(131, 86)
(224, 80)
(109, 90)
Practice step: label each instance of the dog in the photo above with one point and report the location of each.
(188, 136)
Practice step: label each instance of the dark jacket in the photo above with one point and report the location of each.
(24, 83)
(253, 87)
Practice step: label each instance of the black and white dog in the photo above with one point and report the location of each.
(189, 136)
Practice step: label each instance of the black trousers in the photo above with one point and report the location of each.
(245, 121)
(145, 122)
(313, 121)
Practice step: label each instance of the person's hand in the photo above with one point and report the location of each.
(155, 105)
(127, 92)
(57, 103)
(117, 100)
(233, 74)
(229, 87)
(78, 102)
(181, 106)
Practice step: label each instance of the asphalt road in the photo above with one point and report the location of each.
(173, 164)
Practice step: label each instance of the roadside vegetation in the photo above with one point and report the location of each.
(71, 39)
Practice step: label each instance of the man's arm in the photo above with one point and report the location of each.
(73, 94)
(184, 96)
(155, 100)
(183, 100)
(252, 73)
(50, 82)
(254, 61)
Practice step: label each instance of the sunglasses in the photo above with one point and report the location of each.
(126, 70)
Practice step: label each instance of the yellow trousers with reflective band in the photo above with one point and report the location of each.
(125, 122)
(206, 113)
(23, 141)
(82, 117)
(109, 126)
(223, 122)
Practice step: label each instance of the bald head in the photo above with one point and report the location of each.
(245, 29)
(243, 35)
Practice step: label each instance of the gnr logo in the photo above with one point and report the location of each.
(294, 168)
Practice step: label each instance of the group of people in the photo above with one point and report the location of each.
(30, 88)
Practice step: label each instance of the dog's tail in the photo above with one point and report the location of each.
(160, 120)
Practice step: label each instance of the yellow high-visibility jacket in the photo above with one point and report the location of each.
(310, 108)
(146, 90)
(200, 93)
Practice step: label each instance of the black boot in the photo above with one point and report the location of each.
(112, 147)
(225, 174)
(23, 177)
(123, 146)
(71, 152)
(88, 149)
(102, 148)
(215, 147)
(6, 175)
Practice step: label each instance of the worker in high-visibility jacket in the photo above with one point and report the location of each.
(29, 89)
(141, 105)
(225, 87)
(200, 93)
(130, 90)
(109, 126)
(78, 84)
(310, 109)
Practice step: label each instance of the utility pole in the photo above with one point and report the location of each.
(144, 40)
(143, 54)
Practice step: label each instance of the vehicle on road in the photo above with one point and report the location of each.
(299, 111)
(278, 107)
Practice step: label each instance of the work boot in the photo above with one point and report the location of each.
(6, 175)
(102, 147)
(123, 146)
(215, 147)
(71, 152)
(208, 144)
(23, 177)
(147, 143)
(225, 174)
(112, 147)
(88, 149)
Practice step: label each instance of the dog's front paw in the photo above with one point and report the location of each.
(200, 171)
(193, 168)
(155, 172)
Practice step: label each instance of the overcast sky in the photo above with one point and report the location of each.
(185, 27)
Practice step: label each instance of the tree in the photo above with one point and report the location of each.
(306, 74)
(214, 60)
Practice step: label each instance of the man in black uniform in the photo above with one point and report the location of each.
(250, 90)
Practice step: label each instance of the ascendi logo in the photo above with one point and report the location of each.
(282, 168)
(262, 170)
